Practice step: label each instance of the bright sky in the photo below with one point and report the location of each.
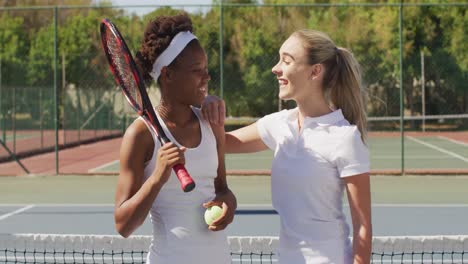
(141, 11)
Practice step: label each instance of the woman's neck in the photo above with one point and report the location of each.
(312, 108)
(178, 115)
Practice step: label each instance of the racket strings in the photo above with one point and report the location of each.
(124, 70)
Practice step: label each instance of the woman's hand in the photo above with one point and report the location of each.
(226, 200)
(169, 155)
(214, 110)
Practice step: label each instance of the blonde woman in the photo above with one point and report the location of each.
(319, 152)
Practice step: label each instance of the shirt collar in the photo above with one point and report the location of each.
(324, 120)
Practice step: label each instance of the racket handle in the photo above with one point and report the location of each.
(186, 182)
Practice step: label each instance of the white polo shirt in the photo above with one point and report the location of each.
(306, 183)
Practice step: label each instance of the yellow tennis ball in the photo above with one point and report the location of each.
(212, 213)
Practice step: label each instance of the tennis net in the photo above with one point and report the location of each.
(49, 248)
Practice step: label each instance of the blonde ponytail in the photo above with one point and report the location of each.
(346, 90)
(342, 78)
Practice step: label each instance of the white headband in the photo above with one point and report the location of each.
(176, 46)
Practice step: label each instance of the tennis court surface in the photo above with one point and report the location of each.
(69, 219)
(428, 153)
(425, 153)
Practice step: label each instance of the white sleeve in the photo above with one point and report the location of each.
(352, 155)
(265, 129)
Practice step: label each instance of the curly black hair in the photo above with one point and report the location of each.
(157, 37)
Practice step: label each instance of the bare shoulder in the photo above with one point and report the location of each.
(137, 137)
(218, 129)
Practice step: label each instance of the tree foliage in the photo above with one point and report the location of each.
(12, 47)
(252, 35)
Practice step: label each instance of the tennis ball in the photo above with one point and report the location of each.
(212, 213)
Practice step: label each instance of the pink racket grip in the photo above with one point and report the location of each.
(186, 181)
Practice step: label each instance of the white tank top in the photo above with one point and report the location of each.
(180, 234)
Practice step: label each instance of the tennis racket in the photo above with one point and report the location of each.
(129, 79)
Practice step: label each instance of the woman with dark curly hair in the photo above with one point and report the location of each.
(171, 56)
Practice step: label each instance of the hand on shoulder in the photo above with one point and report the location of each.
(214, 110)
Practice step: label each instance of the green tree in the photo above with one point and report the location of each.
(252, 43)
(438, 31)
(40, 64)
(12, 49)
(454, 25)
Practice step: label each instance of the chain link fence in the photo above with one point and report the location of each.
(56, 90)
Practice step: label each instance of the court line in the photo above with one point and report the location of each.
(246, 156)
(454, 141)
(394, 205)
(444, 205)
(61, 205)
(5, 216)
(438, 149)
(423, 157)
(253, 206)
(97, 169)
(104, 165)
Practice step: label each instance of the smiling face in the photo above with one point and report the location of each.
(293, 70)
(189, 76)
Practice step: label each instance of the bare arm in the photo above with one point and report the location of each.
(243, 140)
(134, 196)
(359, 197)
(224, 196)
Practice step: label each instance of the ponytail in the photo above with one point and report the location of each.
(346, 89)
(342, 78)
